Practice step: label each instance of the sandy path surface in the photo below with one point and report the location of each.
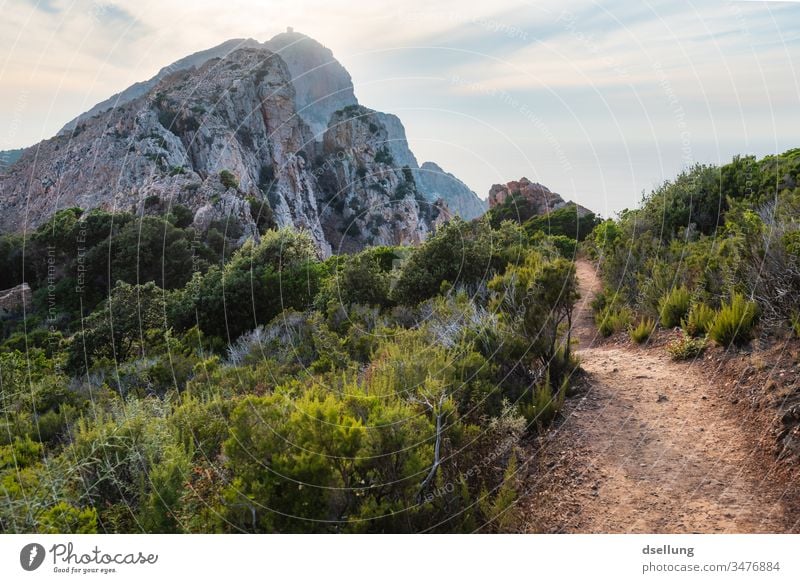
(648, 446)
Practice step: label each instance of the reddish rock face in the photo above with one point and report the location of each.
(541, 198)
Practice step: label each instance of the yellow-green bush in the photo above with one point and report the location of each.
(699, 319)
(735, 321)
(674, 306)
(794, 323)
(610, 320)
(641, 332)
(545, 403)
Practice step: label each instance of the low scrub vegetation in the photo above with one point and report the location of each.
(674, 306)
(699, 320)
(685, 347)
(643, 330)
(703, 242)
(735, 321)
(267, 390)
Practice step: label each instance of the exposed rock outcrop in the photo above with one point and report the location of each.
(234, 123)
(459, 198)
(212, 137)
(322, 85)
(141, 88)
(370, 195)
(15, 298)
(541, 198)
(8, 157)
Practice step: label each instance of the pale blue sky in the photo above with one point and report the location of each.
(597, 100)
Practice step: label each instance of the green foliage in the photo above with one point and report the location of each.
(20, 453)
(228, 179)
(537, 298)
(260, 280)
(685, 347)
(359, 279)
(10, 261)
(715, 231)
(565, 246)
(516, 208)
(699, 320)
(545, 403)
(182, 216)
(643, 330)
(606, 236)
(262, 389)
(735, 321)
(567, 221)
(262, 214)
(458, 252)
(501, 509)
(794, 323)
(63, 518)
(612, 319)
(120, 328)
(674, 306)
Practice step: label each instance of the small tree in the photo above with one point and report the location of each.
(538, 298)
(116, 330)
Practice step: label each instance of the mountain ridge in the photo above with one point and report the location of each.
(320, 89)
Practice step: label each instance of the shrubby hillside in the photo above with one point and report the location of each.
(716, 252)
(162, 379)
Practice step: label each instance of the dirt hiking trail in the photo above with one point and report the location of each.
(649, 446)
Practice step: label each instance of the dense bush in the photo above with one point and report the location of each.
(735, 321)
(674, 306)
(459, 253)
(612, 319)
(716, 232)
(699, 319)
(643, 330)
(228, 179)
(267, 390)
(568, 221)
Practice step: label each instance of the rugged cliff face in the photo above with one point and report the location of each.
(432, 182)
(539, 196)
(141, 88)
(459, 198)
(229, 126)
(8, 157)
(212, 137)
(370, 195)
(322, 85)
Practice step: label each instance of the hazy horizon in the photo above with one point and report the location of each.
(597, 102)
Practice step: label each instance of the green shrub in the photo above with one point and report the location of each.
(674, 306)
(228, 179)
(685, 347)
(544, 404)
(610, 320)
(699, 319)
(735, 322)
(641, 333)
(64, 518)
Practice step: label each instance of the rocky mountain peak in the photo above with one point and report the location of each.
(460, 199)
(322, 85)
(541, 198)
(277, 123)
